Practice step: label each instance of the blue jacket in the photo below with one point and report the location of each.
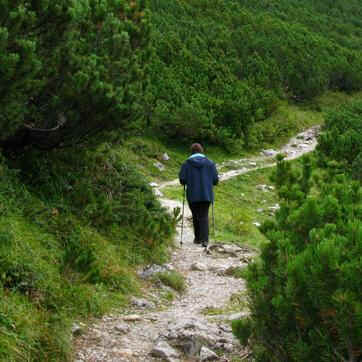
(199, 174)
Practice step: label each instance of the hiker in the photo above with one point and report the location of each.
(199, 175)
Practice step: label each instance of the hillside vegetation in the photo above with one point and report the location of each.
(304, 293)
(91, 95)
(74, 225)
(221, 67)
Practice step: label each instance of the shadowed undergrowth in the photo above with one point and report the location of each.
(73, 226)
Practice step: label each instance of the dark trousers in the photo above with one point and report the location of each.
(200, 219)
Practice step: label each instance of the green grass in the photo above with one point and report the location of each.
(173, 279)
(238, 273)
(236, 303)
(333, 99)
(286, 121)
(236, 203)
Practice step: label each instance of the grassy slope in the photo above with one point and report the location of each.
(69, 245)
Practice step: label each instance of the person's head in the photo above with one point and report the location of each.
(196, 148)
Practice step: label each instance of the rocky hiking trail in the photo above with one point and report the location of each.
(195, 326)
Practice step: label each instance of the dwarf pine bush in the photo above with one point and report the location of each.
(340, 144)
(305, 292)
(69, 68)
(220, 67)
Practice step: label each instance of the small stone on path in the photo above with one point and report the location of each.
(122, 328)
(132, 318)
(142, 303)
(198, 267)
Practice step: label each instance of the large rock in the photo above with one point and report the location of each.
(150, 270)
(230, 249)
(207, 354)
(191, 334)
(163, 350)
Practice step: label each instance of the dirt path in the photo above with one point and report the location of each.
(196, 325)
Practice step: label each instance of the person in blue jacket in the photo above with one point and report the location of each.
(199, 174)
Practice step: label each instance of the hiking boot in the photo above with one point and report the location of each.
(197, 241)
(205, 244)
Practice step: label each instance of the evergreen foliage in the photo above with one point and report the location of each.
(213, 71)
(340, 144)
(220, 66)
(74, 223)
(305, 297)
(69, 67)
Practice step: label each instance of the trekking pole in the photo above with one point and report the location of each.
(213, 219)
(183, 210)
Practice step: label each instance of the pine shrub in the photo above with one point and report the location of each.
(69, 67)
(305, 292)
(220, 67)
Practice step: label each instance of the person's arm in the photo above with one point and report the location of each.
(182, 174)
(215, 179)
